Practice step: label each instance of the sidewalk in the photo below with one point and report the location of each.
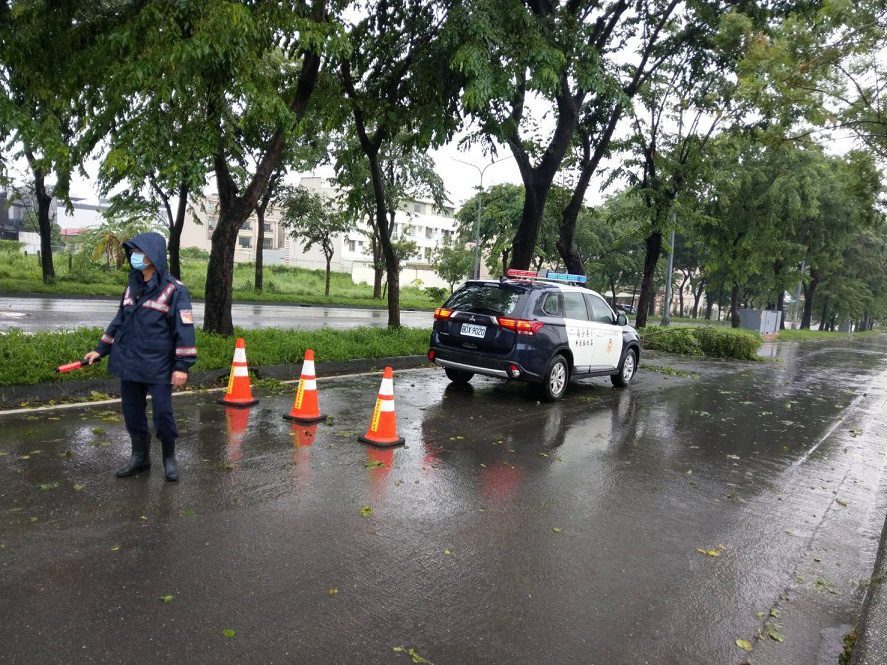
(871, 647)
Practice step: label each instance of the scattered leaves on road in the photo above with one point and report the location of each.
(416, 658)
(48, 486)
(366, 511)
(745, 645)
(712, 552)
(842, 502)
(374, 464)
(227, 632)
(557, 529)
(167, 598)
(448, 552)
(78, 487)
(332, 592)
(774, 632)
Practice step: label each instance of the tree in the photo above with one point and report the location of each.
(452, 263)
(402, 96)
(252, 69)
(317, 220)
(48, 68)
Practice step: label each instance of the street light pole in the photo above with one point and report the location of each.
(669, 278)
(475, 273)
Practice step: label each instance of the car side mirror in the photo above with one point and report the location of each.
(621, 320)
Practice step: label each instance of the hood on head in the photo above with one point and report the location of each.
(154, 247)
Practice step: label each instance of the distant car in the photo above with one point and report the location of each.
(530, 328)
(628, 309)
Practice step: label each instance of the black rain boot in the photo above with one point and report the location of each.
(170, 465)
(139, 461)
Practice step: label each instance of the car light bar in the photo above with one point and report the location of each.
(547, 275)
(442, 313)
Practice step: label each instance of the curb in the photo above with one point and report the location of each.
(86, 390)
(871, 646)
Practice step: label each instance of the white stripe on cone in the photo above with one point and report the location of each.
(240, 355)
(240, 370)
(308, 367)
(309, 384)
(387, 405)
(387, 387)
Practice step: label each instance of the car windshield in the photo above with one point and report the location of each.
(494, 299)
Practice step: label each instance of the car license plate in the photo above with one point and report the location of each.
(473, 331)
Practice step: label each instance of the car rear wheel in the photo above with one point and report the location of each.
(626, 369)
(556, 379)
(458, 375)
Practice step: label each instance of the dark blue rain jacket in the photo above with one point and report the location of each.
(153, 332)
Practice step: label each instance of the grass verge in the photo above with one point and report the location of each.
(28, 359)
(817, 335)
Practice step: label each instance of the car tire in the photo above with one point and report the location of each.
(627, 369)
(556, 379)
(458, 375)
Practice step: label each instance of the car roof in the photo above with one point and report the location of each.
(535, 284)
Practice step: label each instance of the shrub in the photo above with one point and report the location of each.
(437, 294)
(703, 341)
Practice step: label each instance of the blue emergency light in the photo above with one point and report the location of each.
(547, 275)
(566, 277)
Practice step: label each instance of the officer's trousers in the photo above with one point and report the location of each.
(134, 397)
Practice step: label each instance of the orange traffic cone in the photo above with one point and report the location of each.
(383, 427)
(239, 393)
(305, 407)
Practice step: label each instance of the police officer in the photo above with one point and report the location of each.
(152, 344)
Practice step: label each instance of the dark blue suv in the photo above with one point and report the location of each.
(542, 329)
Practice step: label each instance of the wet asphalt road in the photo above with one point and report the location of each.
(505, 532)
(33, 314)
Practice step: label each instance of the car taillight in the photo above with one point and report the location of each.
(520, 326)
(442, 313)
(431, 354)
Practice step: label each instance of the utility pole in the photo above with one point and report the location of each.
(669, 278)
(475, 273)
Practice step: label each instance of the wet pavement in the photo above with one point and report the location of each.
(33, 314)
(506, 531)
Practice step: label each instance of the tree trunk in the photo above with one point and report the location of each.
(653, 243)
(780, 307)
(734, 306)
(681, 294)
(260, 249)
(809, 293)
(823, 319)
(329, 261)
(44, 223)
(697, 296)
(220, 273)
(524, 244)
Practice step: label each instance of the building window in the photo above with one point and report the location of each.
(266, 243)
(429, 232)
(247, 226)
(419, 208)
(352, 245)
(267, 227)
(427, 253)
(245, 241)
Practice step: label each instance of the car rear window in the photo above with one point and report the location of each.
(495, 299)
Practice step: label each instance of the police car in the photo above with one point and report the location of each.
(528, 326)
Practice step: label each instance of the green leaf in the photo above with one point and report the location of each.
(774, 632)
(745, 645)
(374, 464)
(557, 529)
(227, 632)
(167, 598)
(366, 511)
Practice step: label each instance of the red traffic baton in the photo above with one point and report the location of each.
(68, 367)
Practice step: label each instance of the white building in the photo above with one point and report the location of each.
(418, 221)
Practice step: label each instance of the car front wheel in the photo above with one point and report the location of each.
(626, 369)
(556, 379)
(458, 375)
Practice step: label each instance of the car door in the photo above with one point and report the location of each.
(579, 331)
(607, 335)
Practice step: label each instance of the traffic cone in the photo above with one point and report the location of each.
(239, 393)
(383, 427)
(305, 407)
